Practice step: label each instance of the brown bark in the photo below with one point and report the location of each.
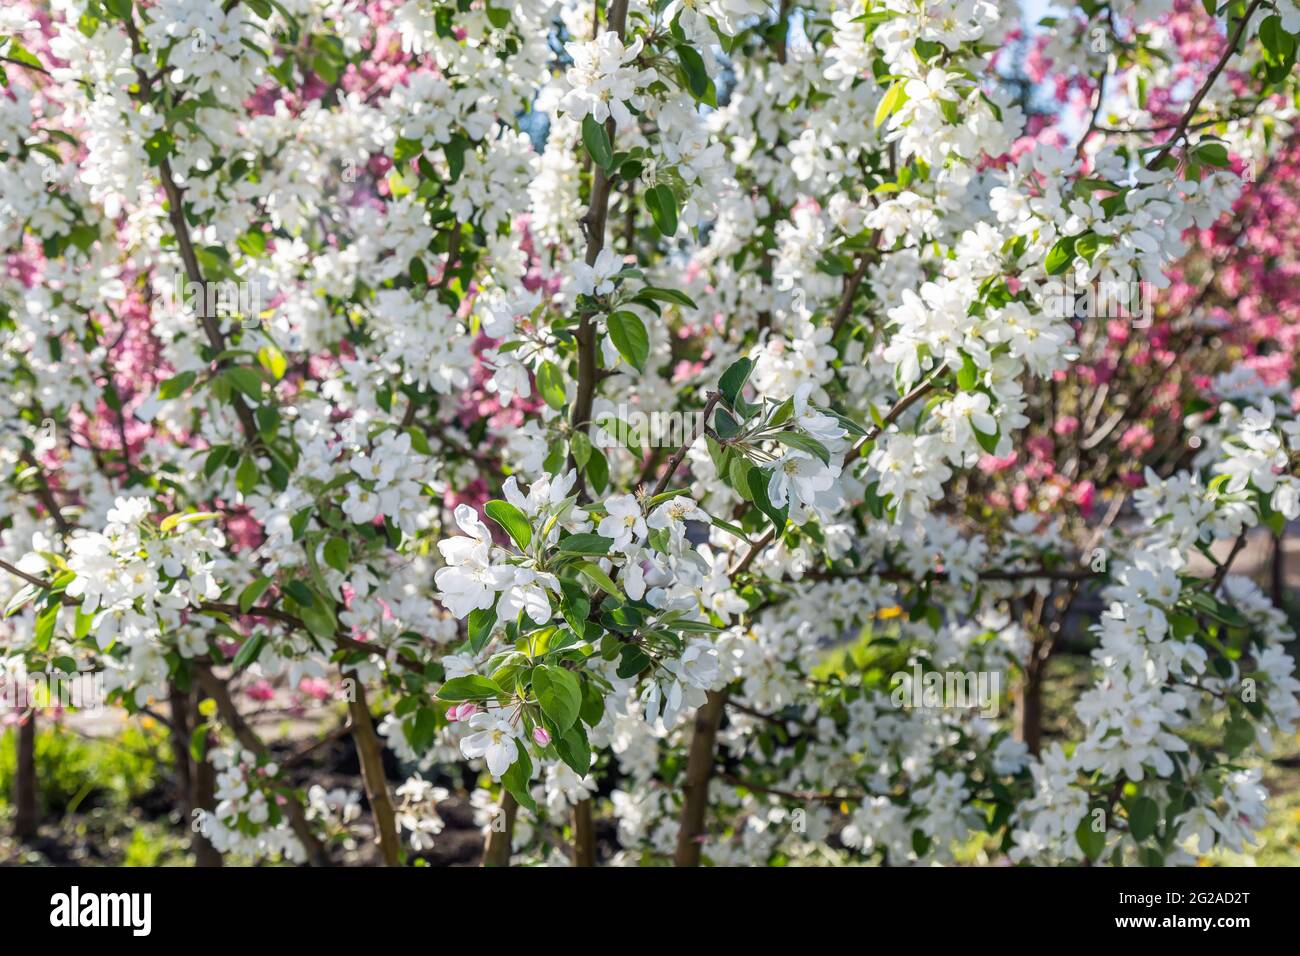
(584, 835)
(26, 806)
(699, 770)
(370, 754)
(203, 796)
(1277, 571)
(179, 737)
(496, 852)
(593, 226)
(1029, 714)
(195, 780)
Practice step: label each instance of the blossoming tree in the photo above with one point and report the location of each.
(332, 330)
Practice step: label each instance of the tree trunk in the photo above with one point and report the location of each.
(1029, 715)
(370, 755)
(195, 780)
(496, 852)
(1278, 571)
(179, 737)
(203, 795)
(699, 770)
(584, 835)
(26, 812)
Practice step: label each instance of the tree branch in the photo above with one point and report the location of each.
(370, 756)
(1194, 104)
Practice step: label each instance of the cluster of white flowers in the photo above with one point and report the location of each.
(247, 820)
(604, 80)
(831, 228)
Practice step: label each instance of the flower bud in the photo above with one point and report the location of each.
(463, 711)
(541, 736)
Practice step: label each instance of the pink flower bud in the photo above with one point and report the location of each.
(463, 711)
(541, 736)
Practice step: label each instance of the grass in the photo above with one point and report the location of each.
(103, 801)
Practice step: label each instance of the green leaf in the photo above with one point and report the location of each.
(734, 378)
(1087, 244)
(21, 599)
(249, 651)
(599, 578)
(559, 693)
(629, 335)
(667, 295)
(920, 842)
(575, 606)
(481, 622)
(804, 443)
(632, 661)
(598, 471)
(245, 380)
(967, 374)
(759, 479)
(697, 77)
(454, 151)
(725, 424)
(1090, 841)
(580, 448)
(252, 243)
(1221, 612)
(217, 457)
(19, 53)
(593, 704)
(516, 778)
(784, 412)
(550, 385)
(319, 618)
(890, 103)
(470, 687)
(596, 139)
(662, 203)
(513, 521)
(120, 9)
(405, 150)
(45, 620)
(1211, 154)
(176, 385)
(199, 742)
(1239, 735)
(248, 597)
(1059, 256)
(246, 475)
(1279, 48)
(737, 476)
(159, 146)
(421, 729)
(272, 359)
(338, 554)
(986, 441)
(585, 543)
(1143, 815)
(574, 749)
